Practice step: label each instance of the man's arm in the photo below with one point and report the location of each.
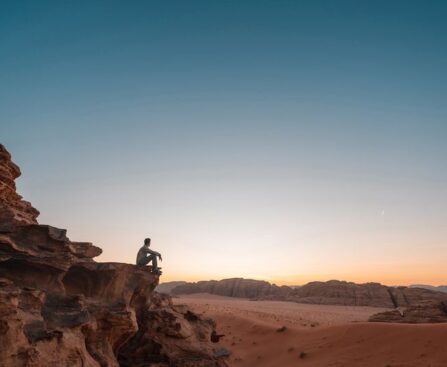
(155, 253)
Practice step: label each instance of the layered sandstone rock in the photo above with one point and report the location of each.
(407, 296)
(58, 307)
(343, 293)
(170, 334)
(167, 287)
(424, 312)
(336, 292)
(333, 292)
(234, 287)
(13, 209)
(440, 288)
(38, 256)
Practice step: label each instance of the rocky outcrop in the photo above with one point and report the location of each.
(424, 312)
(58, 307)
(167, 287)
(13, 209)
(333, 292)
(234, 287)
(439, 288)
(171, 334)
(336, 292)
(38, 256)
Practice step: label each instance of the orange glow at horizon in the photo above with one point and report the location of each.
(195, 261)
(430, 275)
(261, 232)
(400, 280)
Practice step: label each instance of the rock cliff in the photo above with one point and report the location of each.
(167, 287)
(440, 288)
(424, 312)
(13, 209)
(336, 292)
(234, 287)
(58, 307)
(333, 292)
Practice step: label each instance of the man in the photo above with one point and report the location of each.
(146, 255)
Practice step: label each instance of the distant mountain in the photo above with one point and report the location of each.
(167, 287)
(234, 287)
(333, 292)
(440, 288)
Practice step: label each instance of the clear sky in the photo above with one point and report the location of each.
(280, 140)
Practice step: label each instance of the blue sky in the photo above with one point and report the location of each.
(283, 140)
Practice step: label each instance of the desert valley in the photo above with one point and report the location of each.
(323, 323)
(275, 333)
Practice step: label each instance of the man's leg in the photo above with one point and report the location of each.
(144, 261)
(153, 258)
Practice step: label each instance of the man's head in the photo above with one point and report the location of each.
(147, 242)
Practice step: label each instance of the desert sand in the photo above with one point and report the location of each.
(317, 335)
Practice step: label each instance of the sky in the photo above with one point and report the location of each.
(288, 141)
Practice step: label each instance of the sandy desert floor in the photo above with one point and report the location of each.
(317, 335)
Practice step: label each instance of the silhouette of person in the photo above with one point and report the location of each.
(146, 255)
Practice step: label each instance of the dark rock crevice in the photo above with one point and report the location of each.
(392, 297)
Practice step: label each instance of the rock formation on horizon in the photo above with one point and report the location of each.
(429, 311)
(167, 287)
(439, 288)
(233, 287)
(58, 307)
(333, 292)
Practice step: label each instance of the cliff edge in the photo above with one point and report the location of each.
(58, 307)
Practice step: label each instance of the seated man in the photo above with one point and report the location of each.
(146, 255)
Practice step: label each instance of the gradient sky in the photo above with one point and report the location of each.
(280, 140)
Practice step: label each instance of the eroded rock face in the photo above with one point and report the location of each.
(234, 287)
(343, 293)
(336, 292)
(167, 287)
(13, 209)
(333, 292)
(58, 307)
(28, 339)
(171, 334)
(38, 256)
(424, 312)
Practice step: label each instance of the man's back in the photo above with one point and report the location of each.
(142, 252)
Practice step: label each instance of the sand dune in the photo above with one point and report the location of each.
(317, 335)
